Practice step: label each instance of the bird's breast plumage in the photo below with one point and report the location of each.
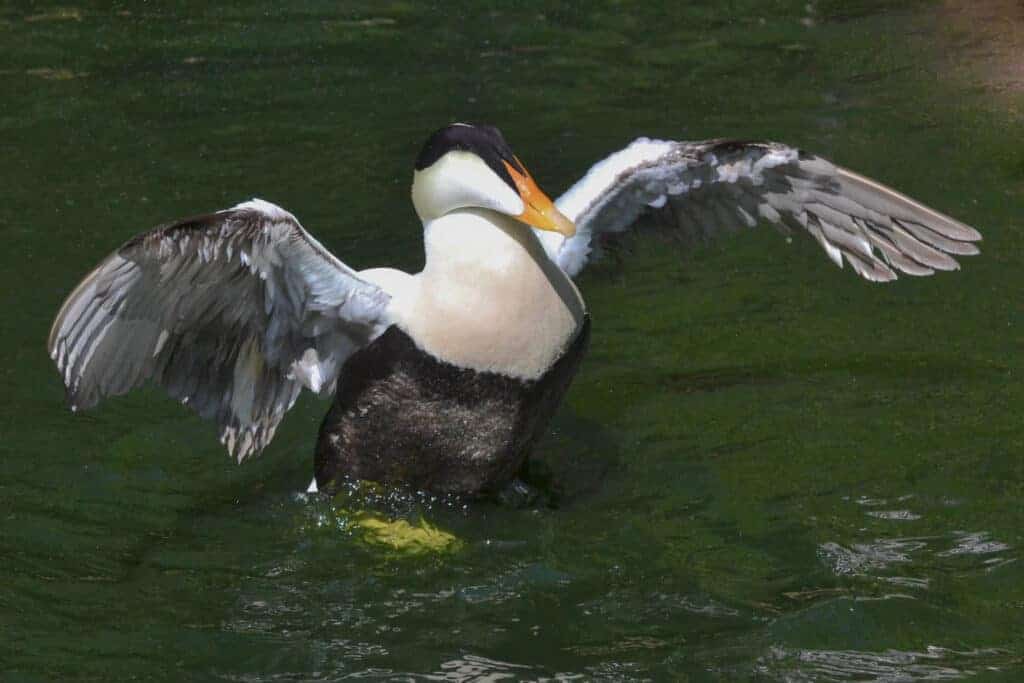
(489, 298)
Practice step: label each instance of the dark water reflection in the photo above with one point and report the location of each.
(766, 470)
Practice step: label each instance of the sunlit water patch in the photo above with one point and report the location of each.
(931, 664)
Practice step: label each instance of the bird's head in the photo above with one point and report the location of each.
(466, 166)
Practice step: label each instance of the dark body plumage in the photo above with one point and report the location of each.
(401, 416)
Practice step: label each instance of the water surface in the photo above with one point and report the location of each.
(767, 469)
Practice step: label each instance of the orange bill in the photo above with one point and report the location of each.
(540, 211)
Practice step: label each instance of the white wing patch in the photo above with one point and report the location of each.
(270, 211)
(605, 173)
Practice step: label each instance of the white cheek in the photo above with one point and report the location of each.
(461, 180)
(491, 192)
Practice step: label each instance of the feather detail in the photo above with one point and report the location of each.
(719, 186)
(232, 313)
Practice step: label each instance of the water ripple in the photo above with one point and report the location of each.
(974, 543)
(888, 666)
(863, 558)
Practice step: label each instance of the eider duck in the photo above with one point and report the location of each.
(443, 380)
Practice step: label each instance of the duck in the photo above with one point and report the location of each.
(444, 380)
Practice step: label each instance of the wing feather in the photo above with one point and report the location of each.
(232, 313)
(718, 186)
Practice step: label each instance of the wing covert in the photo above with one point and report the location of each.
(232, 313)
(703, 188)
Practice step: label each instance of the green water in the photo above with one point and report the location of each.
(767, 469)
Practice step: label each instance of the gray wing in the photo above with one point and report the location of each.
(232, 313)
(702, 188)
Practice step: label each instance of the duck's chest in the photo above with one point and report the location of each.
(489, 298)
(403, 416)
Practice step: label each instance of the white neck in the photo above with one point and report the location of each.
(489, 298)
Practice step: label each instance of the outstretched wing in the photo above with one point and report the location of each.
(702, 188)
(232, 313)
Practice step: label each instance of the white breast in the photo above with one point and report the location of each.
(488, 298)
